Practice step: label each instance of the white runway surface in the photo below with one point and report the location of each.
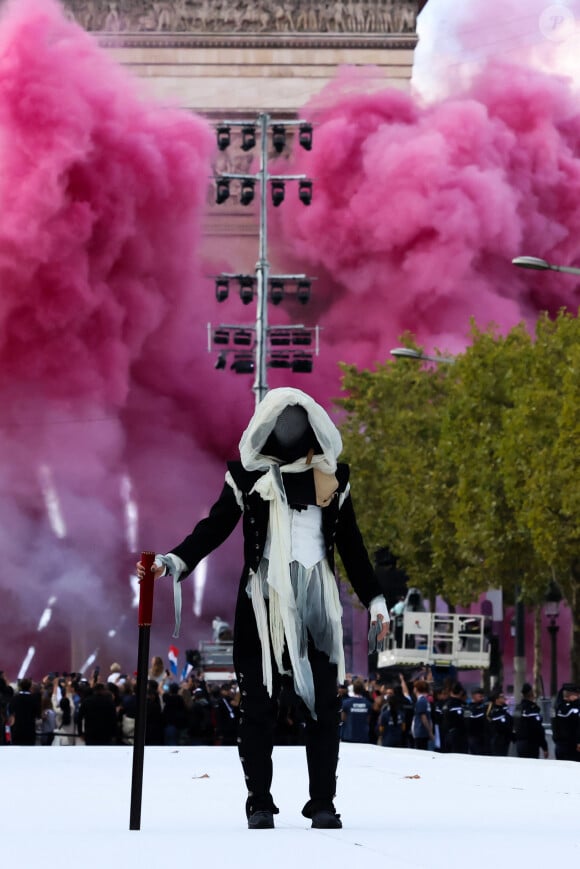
(400, 808)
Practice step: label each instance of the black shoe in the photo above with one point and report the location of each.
(326, 820)
(261, 820)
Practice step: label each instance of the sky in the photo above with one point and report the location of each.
(399, 807)
(115, 424)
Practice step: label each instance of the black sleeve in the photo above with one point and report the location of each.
(354, 555)
(210, 532)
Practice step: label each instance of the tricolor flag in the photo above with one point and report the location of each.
(173, 655)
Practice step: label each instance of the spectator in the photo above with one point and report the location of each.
(47, 719)
(6, 694)
(174, 717)
(201, 730)
(566, 723)
(114, 673)
(97, 719)
(422, 727)
(226, 717)
(500, 725)
(355, 715)
(154, 715)
(391, 720)
(24, 711)
(126, 713)
(530, 735)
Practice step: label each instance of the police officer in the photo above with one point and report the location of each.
(454, 730)
(566, 723)
(475, 722)
(500, 725)
(530, 736)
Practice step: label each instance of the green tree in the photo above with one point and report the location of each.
(390, 434)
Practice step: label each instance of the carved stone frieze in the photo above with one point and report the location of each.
(363, 17)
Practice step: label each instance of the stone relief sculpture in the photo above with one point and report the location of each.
(246, 16)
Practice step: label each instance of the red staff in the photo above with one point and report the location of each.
(145, 619)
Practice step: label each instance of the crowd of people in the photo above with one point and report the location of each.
(69, 709)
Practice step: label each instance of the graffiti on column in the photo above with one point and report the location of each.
(239, 16)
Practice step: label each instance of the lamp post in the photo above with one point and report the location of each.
(552, 610)
(534, 262)
(410, 353)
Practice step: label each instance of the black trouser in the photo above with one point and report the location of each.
(258, 715)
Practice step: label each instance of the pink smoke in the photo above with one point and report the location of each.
(418, 211)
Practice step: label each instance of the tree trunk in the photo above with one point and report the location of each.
(537, 680)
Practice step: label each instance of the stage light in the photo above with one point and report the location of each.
(243, 364)
(243, 337)
(276, 292)
(248, 138)
(303, 291)
(302, 363)
(222, 289)
(278, 191)
(221, 336)
(246, 289)
(222, 190)
(278, 138)
(247, 191)
(305, 192)
(223, 137)
(220, 363)
(305, 136)
(302, 338)
(280, 360)
(280, 338)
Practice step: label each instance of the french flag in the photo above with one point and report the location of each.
(173, 654)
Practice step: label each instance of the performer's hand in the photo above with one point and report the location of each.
(156, 569)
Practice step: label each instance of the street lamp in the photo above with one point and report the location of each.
(534, 262)
(552, 601)
(410, 353)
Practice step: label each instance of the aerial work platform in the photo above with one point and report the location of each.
(438, 639)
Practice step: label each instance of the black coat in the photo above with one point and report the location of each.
(25, 708)
(338, 526)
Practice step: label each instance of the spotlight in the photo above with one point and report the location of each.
(223, 137)
(280, 338)
(247, 191)
(222, 288)
(278, 138)
(221, 336)
(222, 190)
(246, 289)
(303, 291)
(243, 337)
(305, 192)
(277, 193)
(305, 136)
(243, 364)
(276, 292)
(279, 360)
(302, 338)
(302, 363)
(248, 138)
(220, 363)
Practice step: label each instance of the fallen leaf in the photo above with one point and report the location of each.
(205, 775)
(412, 776)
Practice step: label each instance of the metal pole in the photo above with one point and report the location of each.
(262, 269)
